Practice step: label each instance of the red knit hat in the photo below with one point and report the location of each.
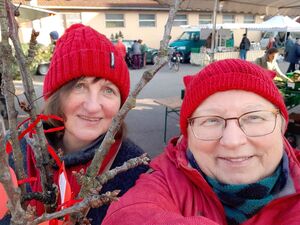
(228, 74)
(82, 51)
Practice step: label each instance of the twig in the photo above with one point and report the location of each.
(93, 201)
(8, 88)
(41, 153)
(97, 182)
(14, 205)
(131, 163)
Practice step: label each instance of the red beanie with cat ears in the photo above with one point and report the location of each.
(83, 52)
(228, 74)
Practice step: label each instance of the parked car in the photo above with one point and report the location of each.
(187, 41)
(151, 54)
(191, 39)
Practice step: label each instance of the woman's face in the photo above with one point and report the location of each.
(271, 57)
(88, 108)
(236, 158)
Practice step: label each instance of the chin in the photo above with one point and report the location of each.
(241, 179)
(88, 138)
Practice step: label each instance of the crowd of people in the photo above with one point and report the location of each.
(269, 59)
(135, 56)
(291, 55)
(231, 163)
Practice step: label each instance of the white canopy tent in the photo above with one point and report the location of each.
(265, 7)
(30, 13)
(277, 23)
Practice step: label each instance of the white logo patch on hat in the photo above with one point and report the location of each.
(112, 60)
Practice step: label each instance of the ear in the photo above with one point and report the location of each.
(187, 80)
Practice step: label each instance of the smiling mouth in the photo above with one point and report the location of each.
(236, 159)
(90, 119)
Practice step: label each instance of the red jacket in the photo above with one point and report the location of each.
(174, 193)
(81, 160)
(121, 48)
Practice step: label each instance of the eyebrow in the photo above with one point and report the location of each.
(219, 110)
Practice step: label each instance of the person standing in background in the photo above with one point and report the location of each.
(53, 37)
(289, 44)
(144, 49)
(293, 56)
(208, 41)
(120, 47)
(244, 47)
(268, 61)
(136, 55)
(271, 43)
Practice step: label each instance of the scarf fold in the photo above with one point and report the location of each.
(242, 201)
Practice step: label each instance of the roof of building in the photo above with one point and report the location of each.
(266, 7)
(96, 3)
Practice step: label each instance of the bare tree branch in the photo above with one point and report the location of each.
(93, 201)
(8, 88)
(41, 153)
(99, 181)
(14, 205)
(131, 163)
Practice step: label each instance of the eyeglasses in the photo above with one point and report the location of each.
(253, 124)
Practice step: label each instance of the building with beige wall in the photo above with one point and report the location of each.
(144, 19)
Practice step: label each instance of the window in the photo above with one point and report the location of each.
(180, 20)
(72, 18)
(228, 19)
(205, 18)
(249, 19)
(114, 20)
(147, 20)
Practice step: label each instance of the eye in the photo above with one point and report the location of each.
(208, 121)
(109, 91)
(254, 118)
(79, 86)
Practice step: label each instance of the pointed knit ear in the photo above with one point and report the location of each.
(187, 80)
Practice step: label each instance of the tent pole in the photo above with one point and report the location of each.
(213, 43)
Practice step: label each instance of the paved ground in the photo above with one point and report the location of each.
(145, 122)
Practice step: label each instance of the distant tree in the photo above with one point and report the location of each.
(112, 37)
(120, 34)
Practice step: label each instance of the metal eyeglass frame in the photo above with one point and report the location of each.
(275, 112)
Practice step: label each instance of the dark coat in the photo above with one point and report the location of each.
(294, 54)
(82, 159)
(245, 43)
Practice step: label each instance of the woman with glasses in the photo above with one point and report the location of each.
(231, 165)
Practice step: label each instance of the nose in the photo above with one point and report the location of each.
(233, 136)
(92, 103)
